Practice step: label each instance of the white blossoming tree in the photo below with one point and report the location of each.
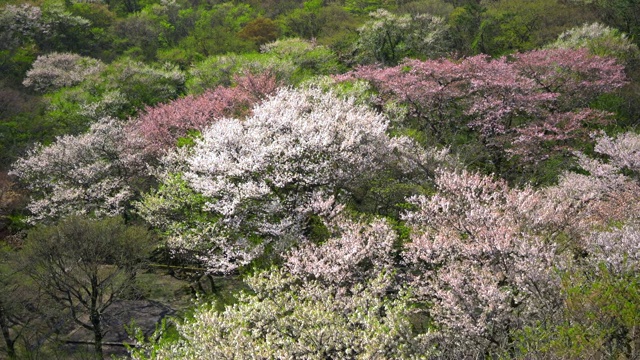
(598, 208)
(355, 252)
(388, 38)
(600, 39)
(57, 70)
(491, 271)
(92, 173)
(253, 186)
(608, 192)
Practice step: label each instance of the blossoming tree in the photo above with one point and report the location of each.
(256, 183)
(92, 173)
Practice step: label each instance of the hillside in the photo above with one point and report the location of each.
(357, 179)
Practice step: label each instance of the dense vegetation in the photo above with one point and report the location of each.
(375, 179)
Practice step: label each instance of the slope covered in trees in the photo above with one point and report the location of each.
(410, 179)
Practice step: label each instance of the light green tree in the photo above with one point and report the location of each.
(388, 38)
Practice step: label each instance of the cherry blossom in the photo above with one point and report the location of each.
(256, 182)
(162, 125)
(478, 256)
(92, 173)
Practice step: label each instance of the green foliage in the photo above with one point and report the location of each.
(620, 14)
(220, 70)
(164, 335)
(65, 31)
(363, 322)
(189, 140)
(260, 31)
(98, 14)
(338, 29)
(306, 22)
(14, 64)
(601, 320)
(521, 25)
(440, 8)
(64, 110)
(216, 30)
(274, 8)
(310, 59)
(363, 7)
(385, 195)
(124, 7)
(142, 84)
(175, 200)
(317, 230)
(139, 31)
(105, 242)
(132, 85)
(465, 22)
(179, 56)
(120, 90)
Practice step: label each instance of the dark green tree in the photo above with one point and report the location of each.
(85, 265)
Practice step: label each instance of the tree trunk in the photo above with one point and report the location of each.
(95, 315)
(97, 334)
(4, 325)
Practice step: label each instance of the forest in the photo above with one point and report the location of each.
(321, 179)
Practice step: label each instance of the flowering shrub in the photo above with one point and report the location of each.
(531, 105)
(291, 319)
(357, 252)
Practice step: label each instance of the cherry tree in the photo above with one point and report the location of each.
(623, 151)
(557, 134)
(161, 126)
(486, 262)
(358, 251)
(575, 75)
(501, 101)
(617, 249)
(478, 255)
(92, 173)
(599, 209)
(20, 24)
(432, 90)
(257, 182)
(608, 192)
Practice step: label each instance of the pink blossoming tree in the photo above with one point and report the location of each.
(512, 106)
(162, 125)
(478, 255)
